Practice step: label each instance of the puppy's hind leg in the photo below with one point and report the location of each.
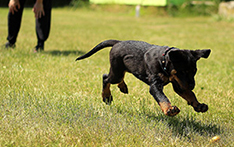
(115, 76)
(123, 87)
(106, 93)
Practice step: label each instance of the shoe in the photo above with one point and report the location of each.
(9, 45)
(38, 49)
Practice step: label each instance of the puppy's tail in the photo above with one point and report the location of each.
(107, 43)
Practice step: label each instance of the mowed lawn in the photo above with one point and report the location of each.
(48, 99)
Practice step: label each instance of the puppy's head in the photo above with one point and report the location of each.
(184, 67)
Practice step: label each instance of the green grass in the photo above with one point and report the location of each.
(48, 99)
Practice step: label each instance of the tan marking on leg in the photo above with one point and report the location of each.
(106, 91)
(165, 106)
(190, 97)
(121, 84)
(123, 87)
(168, 109)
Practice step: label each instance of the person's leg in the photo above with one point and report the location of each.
(43, 25)
(14, 22)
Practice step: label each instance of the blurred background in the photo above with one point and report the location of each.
(224, 8)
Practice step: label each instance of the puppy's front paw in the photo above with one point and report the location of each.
(172, 111)
(201, 108)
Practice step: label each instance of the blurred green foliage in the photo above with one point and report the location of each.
(173, 8)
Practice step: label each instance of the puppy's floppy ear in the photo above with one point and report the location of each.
(201, 53)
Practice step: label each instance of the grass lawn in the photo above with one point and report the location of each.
(48, 99)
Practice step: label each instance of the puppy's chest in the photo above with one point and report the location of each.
(164, 78)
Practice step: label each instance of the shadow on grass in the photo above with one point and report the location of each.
(64, 53)
(183, 126)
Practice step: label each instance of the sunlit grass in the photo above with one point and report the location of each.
(48, 99)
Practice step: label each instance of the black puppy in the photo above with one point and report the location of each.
(154, 65)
